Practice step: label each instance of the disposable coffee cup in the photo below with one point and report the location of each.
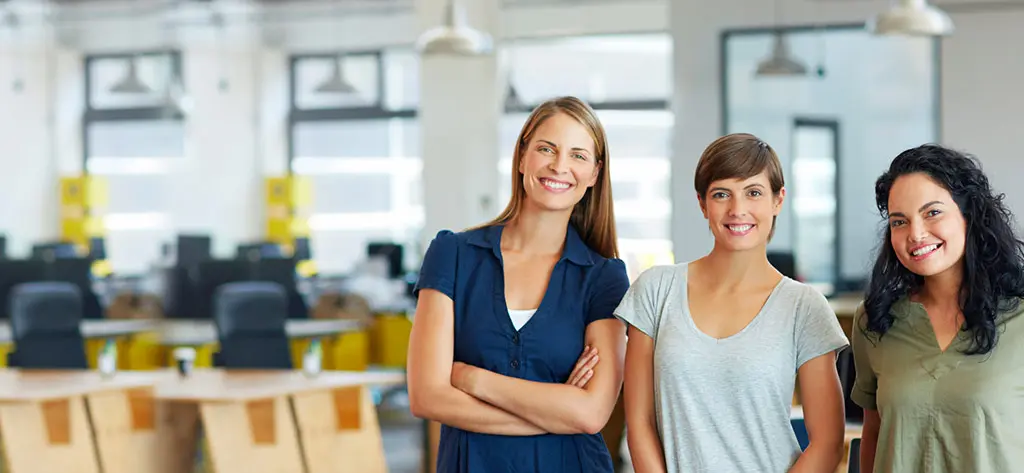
(185, 357)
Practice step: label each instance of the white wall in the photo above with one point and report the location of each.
(970, 66)
(876, 122)
(983, 97)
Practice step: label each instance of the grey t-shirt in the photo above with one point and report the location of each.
(723, 405)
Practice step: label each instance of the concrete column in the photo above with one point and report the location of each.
(28, 86)
(459, 112)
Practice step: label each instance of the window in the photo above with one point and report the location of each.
(133, 137)
(355, 136)
(627, 80)
(836, 127)
(814, 201)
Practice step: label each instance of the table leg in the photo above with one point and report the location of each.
(135, 433)
(47, 436)
(254, 436)
(340, 432)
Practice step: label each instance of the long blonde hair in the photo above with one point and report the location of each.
(594, 215)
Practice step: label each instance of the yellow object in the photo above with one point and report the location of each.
(102, 268)
(389, 337)
(288, 202)
(83, 191)
(142, 352)
(306, 268)
(81, 200)
(350, 351)
(5, 349)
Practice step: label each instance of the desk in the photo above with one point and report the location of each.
(95, 328)
(845, 306)
(71, 420)
(268, 421)
(203, 332)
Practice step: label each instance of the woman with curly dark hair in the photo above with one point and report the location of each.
(939, 341)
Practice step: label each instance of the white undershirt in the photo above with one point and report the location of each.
(520, 317)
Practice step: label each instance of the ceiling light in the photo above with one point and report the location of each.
(913, 18)
(130, 83)
(780, 63)
(336, 82)
(455, 36)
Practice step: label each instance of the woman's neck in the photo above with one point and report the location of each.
(942, 290)
(536, 233)
(730, 270)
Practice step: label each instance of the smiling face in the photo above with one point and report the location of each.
(741, 212)
(928, 232)
(558, 164)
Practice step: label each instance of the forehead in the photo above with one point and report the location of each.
(912, 190)
(564, 131)
(737, 183)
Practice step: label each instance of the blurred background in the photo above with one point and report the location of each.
(153, 150)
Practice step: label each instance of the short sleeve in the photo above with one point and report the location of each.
(612, 283)
(639, 306)
(866, 384)
(818, 331)
(438, 269)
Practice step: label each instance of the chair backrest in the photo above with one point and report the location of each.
(853, 466)
(250, 319)
(847, 376)
(45, 324)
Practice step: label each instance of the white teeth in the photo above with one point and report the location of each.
(924, 250)
(554, 184)
(740, 228)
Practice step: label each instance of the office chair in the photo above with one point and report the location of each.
(853, 466)
(847, 370)
(250, 319)
(45, 324)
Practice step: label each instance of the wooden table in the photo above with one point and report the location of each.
(77, 421)
(269, 421)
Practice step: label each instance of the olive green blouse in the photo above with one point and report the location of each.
(942, 411)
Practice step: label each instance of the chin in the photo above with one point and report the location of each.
(927, 269)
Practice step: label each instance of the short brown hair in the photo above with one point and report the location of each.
(738, 156)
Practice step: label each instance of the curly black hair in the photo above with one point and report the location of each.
(993, 273)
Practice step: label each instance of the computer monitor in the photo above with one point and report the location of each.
(303, 251)
(393, 252)
(97, 248)
(193, 249)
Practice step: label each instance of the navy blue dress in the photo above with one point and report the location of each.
(584, 287)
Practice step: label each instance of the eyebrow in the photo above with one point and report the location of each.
(923, 207)
(574, 149)
(730, 190)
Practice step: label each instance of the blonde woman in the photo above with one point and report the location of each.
(506, 309)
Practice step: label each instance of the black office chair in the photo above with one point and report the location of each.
(250, 319)
(45, 324)
(847, 370)
(853, 466)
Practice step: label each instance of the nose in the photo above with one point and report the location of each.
(918, 231)
(737, 208)
(559, 163)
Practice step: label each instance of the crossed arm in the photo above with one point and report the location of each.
(481, 401)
